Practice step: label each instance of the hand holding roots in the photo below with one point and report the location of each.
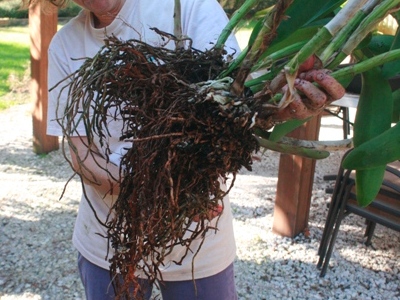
(188, 133)
(302, 98)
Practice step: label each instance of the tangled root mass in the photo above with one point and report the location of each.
(185, 142)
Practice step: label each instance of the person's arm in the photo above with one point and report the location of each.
(93, 167)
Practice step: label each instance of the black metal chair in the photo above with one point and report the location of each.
(341, 112)
(384, 210)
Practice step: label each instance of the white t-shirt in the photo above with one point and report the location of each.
(202, 21)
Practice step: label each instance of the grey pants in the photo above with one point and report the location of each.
(97, 283)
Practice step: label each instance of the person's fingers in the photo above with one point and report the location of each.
(295, 110)
(315, 98)
(277, 83)
(215, 213)
(256, 157)
(299, 109)
(280, 80)
(211, 214)
(334, 89)
(313, 62)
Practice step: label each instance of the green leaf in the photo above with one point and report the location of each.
(328, 10)
(396, 106)
(374, 109)
(299, 35)
(368, 184)
(255, 31)
(280, 130)
(300, 12)
(373, 117)
(380, 43)
(381, 150)
(393, 68)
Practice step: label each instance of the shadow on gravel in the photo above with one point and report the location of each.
(37, 256)
(52, 165)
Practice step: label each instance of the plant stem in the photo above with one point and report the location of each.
(322, 36)
(344, 15)
(346, 31)
(235, 19)
(264, 38)
(325, 34)
(178, 24)
(367, 64)
(279, 54)
(370, 23)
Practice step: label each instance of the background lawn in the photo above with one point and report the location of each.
(14, 64)
(14, 53)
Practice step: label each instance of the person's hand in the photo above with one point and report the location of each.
(308, 99)
(93, 168)
(211, 214)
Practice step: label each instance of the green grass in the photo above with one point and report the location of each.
(14, 63)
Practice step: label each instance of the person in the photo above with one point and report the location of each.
(83, 36)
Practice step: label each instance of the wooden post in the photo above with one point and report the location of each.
(295, 183)
(42, 27)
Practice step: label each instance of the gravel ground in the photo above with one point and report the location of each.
(38, 260)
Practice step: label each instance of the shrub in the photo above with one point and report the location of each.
(11, 9)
